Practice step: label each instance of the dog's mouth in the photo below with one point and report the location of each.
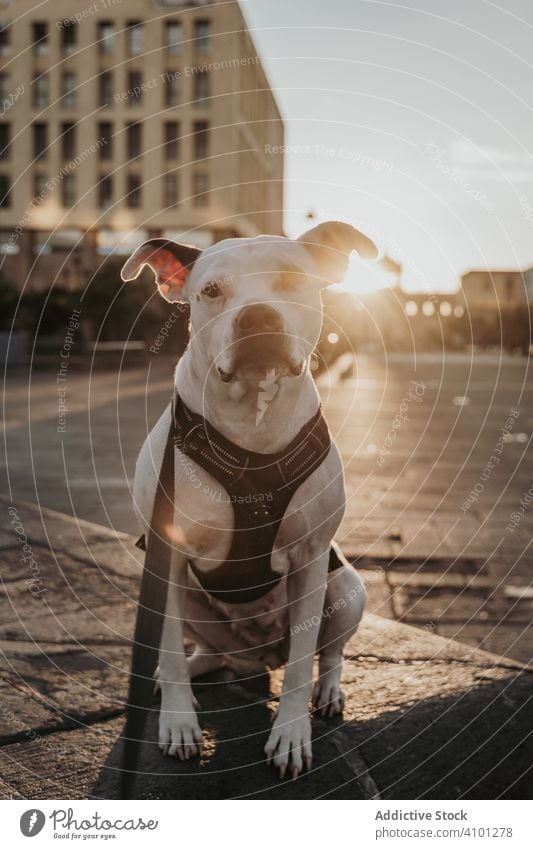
(255, 357)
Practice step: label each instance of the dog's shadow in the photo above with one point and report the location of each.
(236, 719)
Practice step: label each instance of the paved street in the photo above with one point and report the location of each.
(441, 531)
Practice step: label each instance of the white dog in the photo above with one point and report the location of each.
(256, 316)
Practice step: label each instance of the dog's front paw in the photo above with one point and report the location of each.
(179, 734)
(328, 698)
(289, 745)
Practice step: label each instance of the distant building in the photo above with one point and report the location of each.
(528, 282)
(491, 288)
(128, 119)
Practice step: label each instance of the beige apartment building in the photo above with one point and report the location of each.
(122, 120)
(494, 288)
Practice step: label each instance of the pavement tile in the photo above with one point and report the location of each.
(507, 641)
(447, 579)
(80, 683)
(421, 605)
(64, 765)
(79, 626)
(21, 708)
(55, 528)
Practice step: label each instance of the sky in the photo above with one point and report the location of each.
(413, 121)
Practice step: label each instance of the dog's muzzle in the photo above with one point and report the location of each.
(261, 343)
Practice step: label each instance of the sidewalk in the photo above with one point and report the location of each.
(425, 717)
(454, 581)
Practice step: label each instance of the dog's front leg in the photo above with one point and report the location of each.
(179, 731)
(290, 739)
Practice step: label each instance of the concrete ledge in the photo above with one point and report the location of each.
(425, 717)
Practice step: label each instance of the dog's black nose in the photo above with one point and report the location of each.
(259, 318)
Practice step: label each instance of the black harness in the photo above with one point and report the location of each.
(259, 487)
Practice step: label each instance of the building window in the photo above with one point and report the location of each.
(40, 141)
(171, 143)
(68, 141)
(5, 191)
(170, 190)
(5, 91)
(201, 139)
(105, 191)
(201, 87)
(134, 140)
(172, 88)
(68, 89)
(105, 88)
(135, 81)
(40, 35)
(173, 36)
(106, 37)
(68, 190)
(105, 140)
(40, 188)
(135, 37)
(5, 39)
(40, 91)
(133, 191)
(69, 37)
(202, 34)
(5, 139)
(200, 189)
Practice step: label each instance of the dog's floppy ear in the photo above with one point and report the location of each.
(170, 262)
(331, 244)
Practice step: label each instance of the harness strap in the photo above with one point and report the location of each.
(150, 617)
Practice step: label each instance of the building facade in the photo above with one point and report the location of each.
(129, 119)
(528, 283)
(494, 288)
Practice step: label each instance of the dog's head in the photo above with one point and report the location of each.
(255, 303)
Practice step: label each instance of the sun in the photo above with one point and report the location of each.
(363, 278)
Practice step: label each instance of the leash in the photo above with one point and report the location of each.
(150, 618)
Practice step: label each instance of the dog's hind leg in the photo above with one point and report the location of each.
(343, 609)
(204, 660)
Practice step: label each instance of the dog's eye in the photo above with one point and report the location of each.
(212, 290)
